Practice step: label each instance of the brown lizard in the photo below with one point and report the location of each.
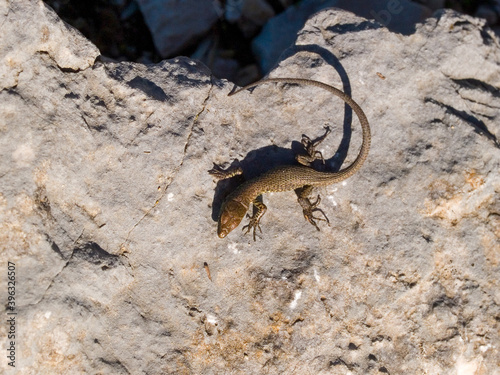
(301, 178)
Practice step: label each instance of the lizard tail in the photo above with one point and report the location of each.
(365, 145)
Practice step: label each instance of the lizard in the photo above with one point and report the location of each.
(301, 178)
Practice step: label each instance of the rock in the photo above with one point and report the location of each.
(247, 75)
(286, 3)
(208, 53)
(433, 4)
(232, 10)
(107, 211)
(279, 33)
(489, 11)
(250, 15)
(257, 11)
(176, 25)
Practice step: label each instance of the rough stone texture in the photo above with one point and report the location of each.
(255, 11)
(279, 32)
(175, 24)
(107, 210)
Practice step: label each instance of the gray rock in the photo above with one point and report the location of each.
(286, 3)
(107, 211)
(221, 67)
(433, 4)
(279, 33)
(250, 15)
(176, 25)
(233, 9)
(257, 11)
(490, 11)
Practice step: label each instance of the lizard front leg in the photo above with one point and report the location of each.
(221, 174)
(254, 223)
(309, 208)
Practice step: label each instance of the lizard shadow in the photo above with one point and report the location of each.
(260, 161)
(266, 158)
(334, 62)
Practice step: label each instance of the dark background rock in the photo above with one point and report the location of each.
(118, 29)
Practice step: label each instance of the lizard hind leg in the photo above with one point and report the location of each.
(309, 207)
(254, 223)
(310, 148)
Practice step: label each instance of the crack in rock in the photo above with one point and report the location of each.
(176, 169)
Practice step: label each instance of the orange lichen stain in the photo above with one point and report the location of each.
(441, 201)
(40, 176)
(229, 348)
(14, 238)
(54, 357)
(25, 204)
(279, 321)
(473, 179)
(491, 246)
(45, 34)
(452, 203)
(441, 189)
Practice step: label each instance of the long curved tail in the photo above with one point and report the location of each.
(365, 145)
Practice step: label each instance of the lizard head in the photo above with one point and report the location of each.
(231, 214)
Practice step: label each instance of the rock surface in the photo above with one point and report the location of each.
(176, 25)
(107, 211)
(280, 32)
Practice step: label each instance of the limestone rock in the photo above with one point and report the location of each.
(51, 38)
(176, 25)
(279, 33)
(108, 212)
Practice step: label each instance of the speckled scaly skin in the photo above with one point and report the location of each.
(288, 177)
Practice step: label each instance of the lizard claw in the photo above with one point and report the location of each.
(309, 209)
(308, 214)
(252, 224)
(310, 148)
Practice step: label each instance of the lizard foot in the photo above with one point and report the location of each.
(310, 148)
(254, 223)
(309, 208)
